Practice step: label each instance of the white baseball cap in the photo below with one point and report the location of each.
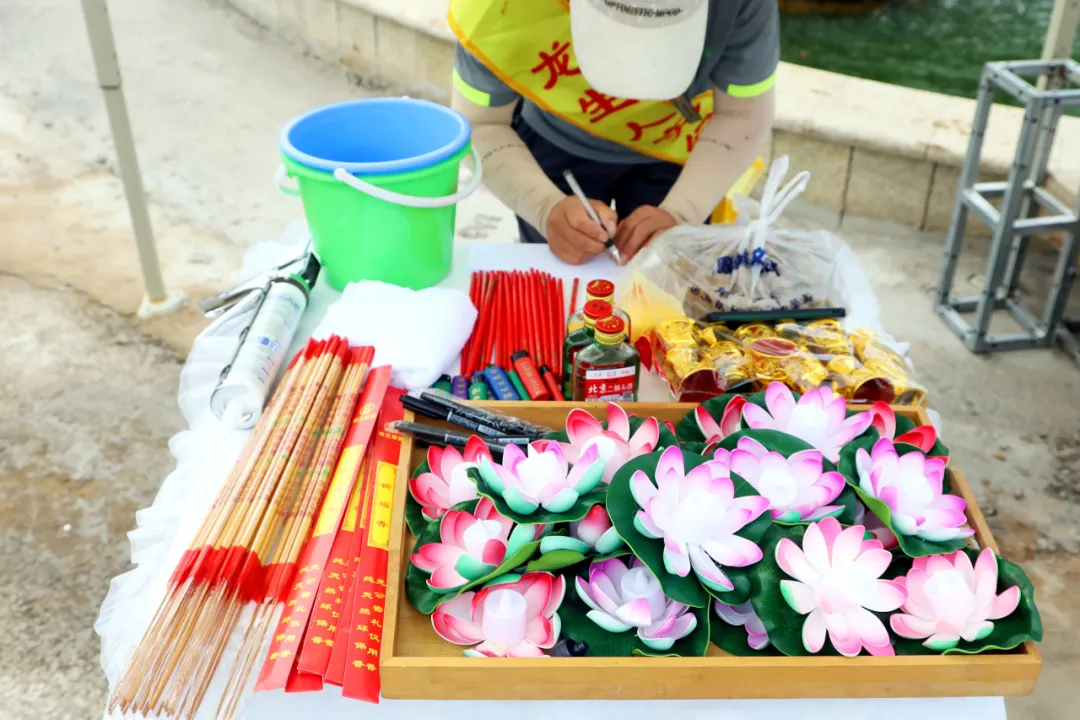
(639, 49)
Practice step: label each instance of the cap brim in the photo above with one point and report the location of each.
(640, 63)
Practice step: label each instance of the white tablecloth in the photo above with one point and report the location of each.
(206, 451)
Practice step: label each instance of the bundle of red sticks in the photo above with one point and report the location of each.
(299, 533)
(519, 311)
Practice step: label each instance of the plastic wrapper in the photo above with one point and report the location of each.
(703, 360)
(748, 265)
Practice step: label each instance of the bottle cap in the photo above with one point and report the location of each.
(597, 309)
(600, 289)
(610, 330)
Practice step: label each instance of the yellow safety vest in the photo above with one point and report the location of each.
(526, 44)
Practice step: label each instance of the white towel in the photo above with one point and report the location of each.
(418, 332)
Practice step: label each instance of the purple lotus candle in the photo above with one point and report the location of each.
(640, 584)
(504, 617)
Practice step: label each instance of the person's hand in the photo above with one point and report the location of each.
(571, 233)
(640, 227)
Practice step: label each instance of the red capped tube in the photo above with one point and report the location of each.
(552, 383)
(530, 376)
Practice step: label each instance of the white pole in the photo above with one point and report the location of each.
(1061, 35)
(158, 300)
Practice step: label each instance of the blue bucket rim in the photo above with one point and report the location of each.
(386, 167)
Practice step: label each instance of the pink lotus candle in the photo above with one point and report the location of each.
(639, 584)
(504, 618)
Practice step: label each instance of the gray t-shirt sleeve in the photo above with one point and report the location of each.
(749, 58)
(473, 79)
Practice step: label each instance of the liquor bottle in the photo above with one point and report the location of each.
(598, 290)
(609, 368)
(594, 311)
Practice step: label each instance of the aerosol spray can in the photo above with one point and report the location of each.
(248, 378)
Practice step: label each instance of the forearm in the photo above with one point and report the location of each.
(726, 147)
(510, 171)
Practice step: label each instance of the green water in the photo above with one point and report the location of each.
(938, 45)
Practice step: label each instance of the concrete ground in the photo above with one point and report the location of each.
(87, 391)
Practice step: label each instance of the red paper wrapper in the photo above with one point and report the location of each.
(303, 599)
(323, 625)
(369, 596)
(352, 527)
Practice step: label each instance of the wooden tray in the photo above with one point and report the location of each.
(418, 664)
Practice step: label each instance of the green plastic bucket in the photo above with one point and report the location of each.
(378, 179)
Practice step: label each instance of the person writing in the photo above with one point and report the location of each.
(657, 106)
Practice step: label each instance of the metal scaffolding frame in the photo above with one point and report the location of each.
(1026, 210)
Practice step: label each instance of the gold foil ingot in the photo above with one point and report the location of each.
(843, 365)
(791, 331)
(683, 361)
(753, 331)
(728, 359)
(912, 396)
(677, 333)
(867, 386)
(724, 350)
(769, 356)
(806, 373)
(826, 324)
(713, 334)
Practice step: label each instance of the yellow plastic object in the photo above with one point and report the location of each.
(725, 211)
(647, 305)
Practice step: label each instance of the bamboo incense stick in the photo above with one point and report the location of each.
(288, 458)
(313, 477)
(261, 435)
(298, 531)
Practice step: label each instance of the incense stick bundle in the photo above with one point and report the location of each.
(260, 512)
(297, 525)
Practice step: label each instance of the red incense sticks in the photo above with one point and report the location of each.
(518, 310)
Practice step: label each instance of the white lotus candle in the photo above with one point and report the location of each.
(638, 583)
(504, 617)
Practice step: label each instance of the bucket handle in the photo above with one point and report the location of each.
(279, 179)
(411, 200)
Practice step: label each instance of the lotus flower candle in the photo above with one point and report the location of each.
(616, 445)
(696, 514)
(625, 598)
(948, 600)
(836, 585)
(744, 616)
(542, 478)
(593, 532)
(912, 486)
(874, 526)
(884, 421)
(447, 481)
(473, 546)
(505, 619)
(729, 424)
(819, 418)
(797, 487)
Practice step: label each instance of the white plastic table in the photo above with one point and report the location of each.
(206, 452)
